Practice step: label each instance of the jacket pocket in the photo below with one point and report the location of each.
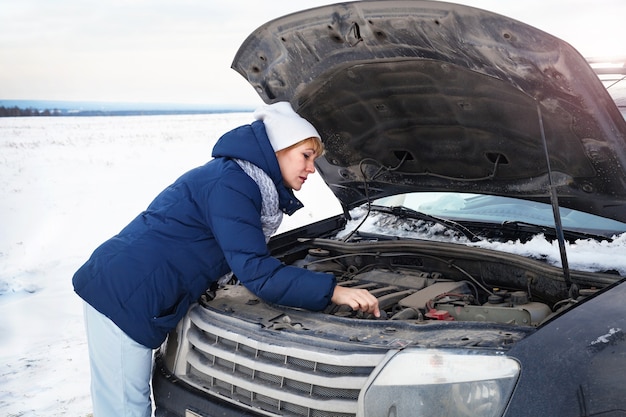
(169, 318)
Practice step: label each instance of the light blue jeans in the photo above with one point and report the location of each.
(120, 369)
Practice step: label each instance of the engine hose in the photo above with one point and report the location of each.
(406, 314)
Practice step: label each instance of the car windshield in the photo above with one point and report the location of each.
(495, 209)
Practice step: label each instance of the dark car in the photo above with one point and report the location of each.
(453, 135)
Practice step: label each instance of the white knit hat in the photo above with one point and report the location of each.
(283, 125)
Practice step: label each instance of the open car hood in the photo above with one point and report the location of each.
(433, 96)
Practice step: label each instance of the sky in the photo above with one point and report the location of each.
(180, 51)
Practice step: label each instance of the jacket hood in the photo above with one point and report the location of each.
(414, 96)
(250, 143)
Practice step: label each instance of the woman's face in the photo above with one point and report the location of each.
(296, 163)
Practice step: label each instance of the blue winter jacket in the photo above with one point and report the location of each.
(207, 223)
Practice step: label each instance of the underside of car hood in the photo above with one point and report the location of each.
(433, 96)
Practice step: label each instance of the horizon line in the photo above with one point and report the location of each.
(95, 105)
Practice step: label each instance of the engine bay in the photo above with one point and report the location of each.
(420, 282)
(429, 293)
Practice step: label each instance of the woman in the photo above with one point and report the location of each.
(213, 220)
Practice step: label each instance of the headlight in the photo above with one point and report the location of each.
(434, 383)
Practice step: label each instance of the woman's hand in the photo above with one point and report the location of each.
(357, 299)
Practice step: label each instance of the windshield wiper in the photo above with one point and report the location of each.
(542, 228)
(405, 212)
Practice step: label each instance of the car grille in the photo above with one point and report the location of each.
(269, 377)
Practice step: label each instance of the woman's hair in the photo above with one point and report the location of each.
(315, 143)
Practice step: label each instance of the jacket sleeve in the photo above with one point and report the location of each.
(234, 215)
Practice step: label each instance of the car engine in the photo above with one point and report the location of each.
(422, 282)
(408, 292)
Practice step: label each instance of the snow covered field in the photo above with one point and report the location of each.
(66, 185)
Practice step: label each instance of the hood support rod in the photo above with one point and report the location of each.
(555, 204)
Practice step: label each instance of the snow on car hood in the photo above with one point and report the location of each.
(433, 96)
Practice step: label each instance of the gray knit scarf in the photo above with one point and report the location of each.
(271, 216)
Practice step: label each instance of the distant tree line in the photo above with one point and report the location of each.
(16, 111)
(29, 112)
